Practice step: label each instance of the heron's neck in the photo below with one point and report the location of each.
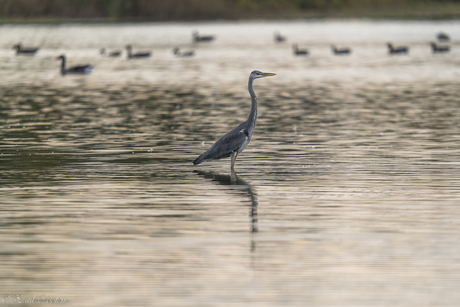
(253, 115)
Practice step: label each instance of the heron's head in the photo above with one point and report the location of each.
(258, 74)
(61, 57)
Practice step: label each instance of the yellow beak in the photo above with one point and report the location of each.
(268, 74)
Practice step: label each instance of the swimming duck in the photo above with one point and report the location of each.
(397, 50)
(205, 38)
(111, 54)
(298, 51)
(21, 51)
(139, 55)
(340, 51)
(184, 54)
(76, 70)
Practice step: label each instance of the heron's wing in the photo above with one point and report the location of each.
(224, 147)
(229, 143)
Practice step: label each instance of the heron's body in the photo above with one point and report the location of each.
(21, 51)
(235, 141)
(397, 50)
(139, 55)
(76, 70)
(439, 49)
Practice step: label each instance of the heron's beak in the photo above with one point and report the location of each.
(268, 74)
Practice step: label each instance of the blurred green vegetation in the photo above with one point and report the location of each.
(162, 10)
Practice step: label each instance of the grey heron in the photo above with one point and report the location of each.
(234, 142)
(139, 55)
(21, 51)
(397, 50)
(76, 70)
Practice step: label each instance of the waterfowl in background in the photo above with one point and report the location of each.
(139, 55)
(76, 70)
(397, 50)
(183, 54)
(442, 37)
(197, 38)
(21, 51)
(298, 51)
(111, 54)
(439, 49)
(341, 51)
(278, 37)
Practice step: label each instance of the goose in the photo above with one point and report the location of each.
(76, 70)
(442, 37)
(298, 51)
(111, 54)
(20, 51)
(205, 38)
(279, 38)
(340, 51)
(439, 49)
(397, 50)
(139, 55)
(177, 52)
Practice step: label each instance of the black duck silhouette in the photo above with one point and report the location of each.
(139, 55)
(397, 50)
(24, 51)
(76, 70)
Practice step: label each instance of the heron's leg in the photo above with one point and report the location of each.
(234, 154)
(233, 176)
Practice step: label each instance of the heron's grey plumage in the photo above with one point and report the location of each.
(235, 141)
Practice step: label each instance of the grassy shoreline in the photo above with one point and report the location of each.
(145, 11)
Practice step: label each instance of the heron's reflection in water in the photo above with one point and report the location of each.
(237, 184)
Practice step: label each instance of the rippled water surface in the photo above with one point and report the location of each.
(347, 195)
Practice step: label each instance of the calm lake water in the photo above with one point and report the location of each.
(347, 195)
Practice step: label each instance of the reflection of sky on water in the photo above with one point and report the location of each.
(240, 47)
